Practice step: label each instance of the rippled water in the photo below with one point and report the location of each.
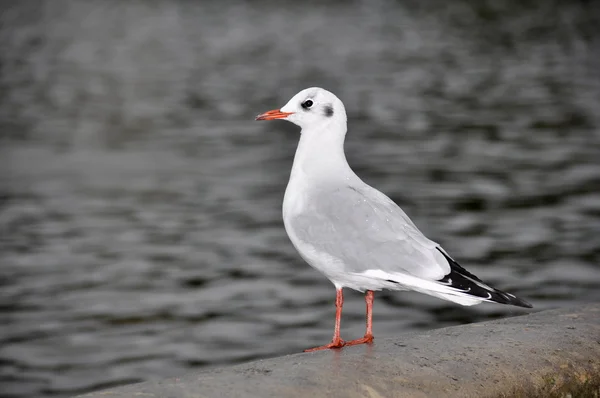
(140, 204)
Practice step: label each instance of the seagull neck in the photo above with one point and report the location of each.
(321, 153)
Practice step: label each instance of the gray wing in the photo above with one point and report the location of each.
(366, 230)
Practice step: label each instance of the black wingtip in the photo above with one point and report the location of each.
(462, 279)
(510, 299)
(524, 304)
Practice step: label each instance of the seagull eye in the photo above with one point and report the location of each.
(307, 104)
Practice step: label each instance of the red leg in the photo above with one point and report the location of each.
(368, 338)
(336, 342)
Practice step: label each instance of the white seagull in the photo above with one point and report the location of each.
(354, 234)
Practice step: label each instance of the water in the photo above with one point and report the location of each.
(140, 204)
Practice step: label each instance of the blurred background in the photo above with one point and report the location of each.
(140, 204)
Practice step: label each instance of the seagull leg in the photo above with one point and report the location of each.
(336, 342)
(368, 338)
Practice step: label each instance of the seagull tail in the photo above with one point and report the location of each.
(468, 284)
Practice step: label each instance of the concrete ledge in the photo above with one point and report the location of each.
(546, 354)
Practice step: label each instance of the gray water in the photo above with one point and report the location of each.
(140, 204)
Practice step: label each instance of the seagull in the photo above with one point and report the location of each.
(354, 234)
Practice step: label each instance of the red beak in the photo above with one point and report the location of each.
(272, 115)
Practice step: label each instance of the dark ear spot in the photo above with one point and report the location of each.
(328, 109)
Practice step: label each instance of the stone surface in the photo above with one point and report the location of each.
(546, 354)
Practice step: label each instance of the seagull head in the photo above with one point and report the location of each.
(310, 109)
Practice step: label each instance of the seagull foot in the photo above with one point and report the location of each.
(368, 339)
(334, 344)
